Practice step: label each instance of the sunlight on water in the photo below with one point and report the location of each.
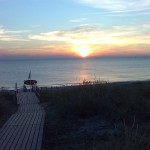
(60, 71)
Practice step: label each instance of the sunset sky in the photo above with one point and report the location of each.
(74, 28)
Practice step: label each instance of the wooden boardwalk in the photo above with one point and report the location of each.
(24, 129)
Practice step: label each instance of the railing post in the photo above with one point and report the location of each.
(16, 91)
(36, 90)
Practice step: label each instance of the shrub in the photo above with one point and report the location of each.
(7, 105)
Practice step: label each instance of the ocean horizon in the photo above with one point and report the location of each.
(52, 71)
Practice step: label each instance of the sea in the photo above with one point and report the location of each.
(64, 71)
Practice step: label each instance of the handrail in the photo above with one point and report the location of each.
(36, 90)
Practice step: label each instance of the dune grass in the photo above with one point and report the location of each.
(7, 106)
(114, 100)
(120, 102)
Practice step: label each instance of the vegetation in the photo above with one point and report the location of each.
(7, 105)
(126, 103)
(126, 100)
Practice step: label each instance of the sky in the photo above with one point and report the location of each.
(74, 28)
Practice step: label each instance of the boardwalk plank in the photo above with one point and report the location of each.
(15, 135)
(30, 138)
(16, 139)
(7, 130)
(7, 137)
(27, 134)
(37, 142)
(20, 141)
(24, 129)
(35, 139)
(14, 118)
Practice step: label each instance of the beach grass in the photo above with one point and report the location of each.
(102, 98)
(127, 103)
(7, 105)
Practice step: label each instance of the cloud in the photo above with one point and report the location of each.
(118, 5)
(66, 36)
(12, 35)
(101, 40)
(86, 34)
(2, 31)
(77, 20)
(51, 36)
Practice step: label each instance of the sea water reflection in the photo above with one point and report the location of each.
(60, 71)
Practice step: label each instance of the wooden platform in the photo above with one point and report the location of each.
(24, 129)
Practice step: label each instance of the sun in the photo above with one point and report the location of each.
(83, 50)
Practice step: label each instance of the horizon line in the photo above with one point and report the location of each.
(68, 57)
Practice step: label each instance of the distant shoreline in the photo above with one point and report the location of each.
(100, 82)
(78, 84)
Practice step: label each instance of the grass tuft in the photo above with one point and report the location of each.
(7, 106)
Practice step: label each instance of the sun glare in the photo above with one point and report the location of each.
(83, 51)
